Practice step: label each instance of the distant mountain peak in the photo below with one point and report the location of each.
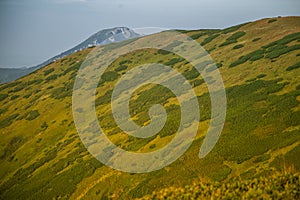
(108, 36)
(102, 37)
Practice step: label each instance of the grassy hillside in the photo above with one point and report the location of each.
(41, 155)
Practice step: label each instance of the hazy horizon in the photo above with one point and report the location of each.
(35, 31)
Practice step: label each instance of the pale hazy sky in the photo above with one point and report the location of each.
(35, 30)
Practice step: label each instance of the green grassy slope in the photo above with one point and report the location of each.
(41, 155)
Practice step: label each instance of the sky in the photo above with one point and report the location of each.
(33, 31)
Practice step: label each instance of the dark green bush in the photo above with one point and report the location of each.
(74, 67)
(257, 55)
(191, 74)
(209, 39)
(253, 56)
(109, 76)
(62, 92)
(3, 110)
(292, 67)
(36, 81)
(27, 96)
(279, 50)
(33, 114)
(8, 120)
(197, 35)
(51, 77)
(50, 87)
(104, 99)
(163, 52)
(9, 85)
(3, 96)
(44, 126)
(261, 75)
(19, 87)
(219, 65)
(174, 61)
(47, 72)
(233, 38)
(123, 62)
(121, 68)
(14, 97)
(197, 82)
(238, 46)
(283, 41)
(256, 39)
(12, 146)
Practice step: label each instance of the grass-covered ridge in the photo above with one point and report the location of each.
(42, 157)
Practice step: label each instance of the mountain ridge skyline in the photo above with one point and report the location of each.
(102, 37)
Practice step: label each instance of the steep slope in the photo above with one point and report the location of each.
(102, 37)
(43, 157)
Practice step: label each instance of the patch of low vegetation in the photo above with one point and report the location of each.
(197, 82)
(121, 68)
(33, 114)
(73, 68)
(238, 46)
(261, 75)
(48, 71)
(272, 50)
(293, 67)
(35, 81)
(51, 77)
(9, 85)
(233, 28)
(3, 96)
(253, 56)
(106, 98)
(197, 35)
(3, 110)
(163, 52)
(63, 92)
(109, 76)
(219, 65)
(272, 20)
(14, 97)
(174, 61)
(256, 39)
(12, 146)
(262, 158)
(209, 39)
(191, 74)
(8, 120)
(283, 41)
(44, 126)
(19, 87)
(278, 50)
(233, 38)
(123, 62)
